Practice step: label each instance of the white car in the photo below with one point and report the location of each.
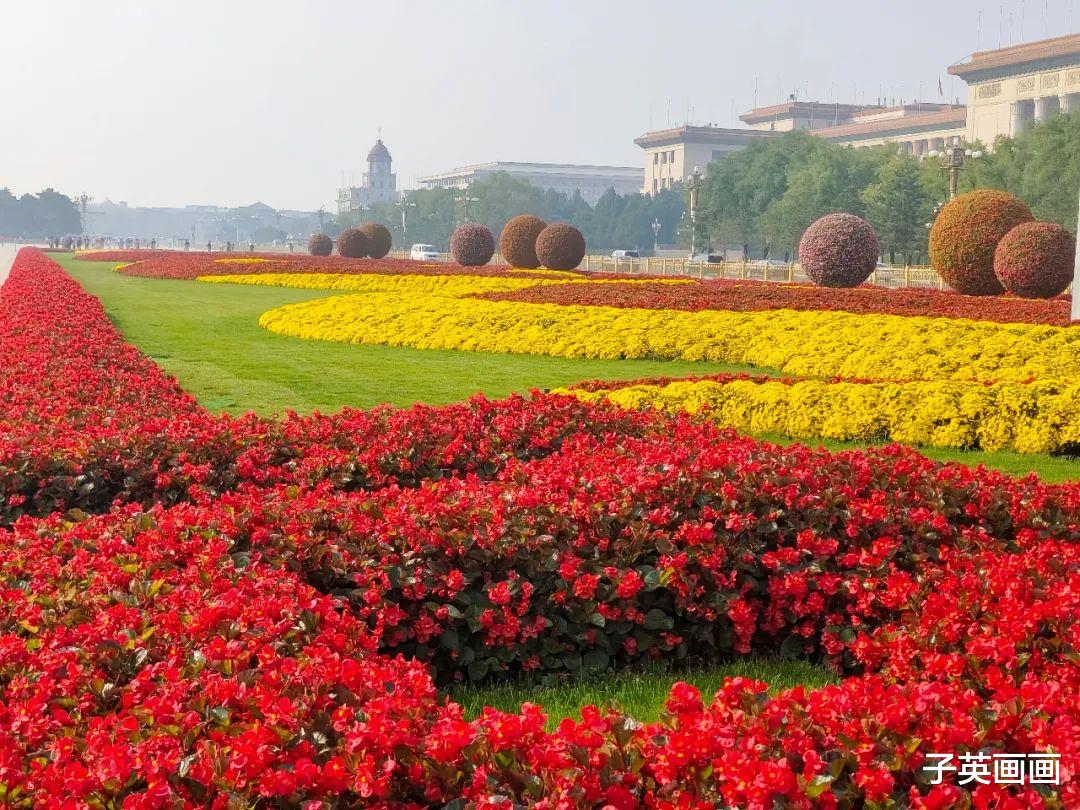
(424, 253)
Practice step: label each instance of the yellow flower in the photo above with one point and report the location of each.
(1042, 417)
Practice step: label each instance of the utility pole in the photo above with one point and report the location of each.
(321, 214)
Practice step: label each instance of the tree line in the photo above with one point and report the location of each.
(38, 216)
(616, 221)
(764, 197)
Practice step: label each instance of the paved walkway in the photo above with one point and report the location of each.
(7, 256)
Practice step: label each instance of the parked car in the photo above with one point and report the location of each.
(424, 253)
(708, 258)
(626, 254)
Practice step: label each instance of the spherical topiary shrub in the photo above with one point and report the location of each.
(378, 238)
(517, 242)
(560, 246)
(320, 245)
(966, 234)
(472, 244)
(839, 250)
(352, 243)
(1035, 260)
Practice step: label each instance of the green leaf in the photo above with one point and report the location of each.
(657, 619)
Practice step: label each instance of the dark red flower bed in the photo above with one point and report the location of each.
(751, 296)
(185, 265)
(234, 649)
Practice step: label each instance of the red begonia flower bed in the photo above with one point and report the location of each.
(235, 649)
(750, 296)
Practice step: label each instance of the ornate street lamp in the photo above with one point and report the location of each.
(655, 236)
(465, 198)
(952, 160)
(405, 205)
(693, 185)
(1076, 281)
(83, 199)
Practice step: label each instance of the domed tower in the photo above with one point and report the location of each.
(379, 176)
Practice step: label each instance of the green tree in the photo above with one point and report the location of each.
(831, 179)
(899, 207)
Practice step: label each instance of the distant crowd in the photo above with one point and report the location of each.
(94, 243)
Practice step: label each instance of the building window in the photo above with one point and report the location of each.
(655, 158)
(671, 159)
(663, 157)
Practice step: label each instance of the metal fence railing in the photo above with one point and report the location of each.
(897, 277)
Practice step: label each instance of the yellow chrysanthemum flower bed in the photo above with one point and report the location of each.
(1041, 417)
(406, 288)
(962, 383)
(805, 344)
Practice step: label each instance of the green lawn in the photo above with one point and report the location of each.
(209, 337)
(638, 693)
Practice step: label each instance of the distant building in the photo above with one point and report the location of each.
(802, 115)
(257, 222)
(379, 183)
(1008, 88)
(914, 128)
(672, 154)
(590, 181)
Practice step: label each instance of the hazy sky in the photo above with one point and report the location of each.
(170, 102)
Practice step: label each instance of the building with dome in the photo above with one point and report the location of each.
(379, 183)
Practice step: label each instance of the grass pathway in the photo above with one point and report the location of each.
(208, 336)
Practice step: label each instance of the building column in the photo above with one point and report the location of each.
(920, 148)
(1045, 106)
(1023, 112)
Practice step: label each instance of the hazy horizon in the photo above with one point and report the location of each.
(228, 104)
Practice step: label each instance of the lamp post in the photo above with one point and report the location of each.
(321, 214)
(83, 199)
(952, 160)
(465, 198)
(1076, 279)
(405, 205)
(693, 185)
(655, 236)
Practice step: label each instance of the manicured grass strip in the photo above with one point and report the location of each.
(208, 336)
(638, 693)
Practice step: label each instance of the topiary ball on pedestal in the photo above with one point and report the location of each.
(517, 242)
(1035, 260)
(472, 244)
(560, 246)
(320, 245)
(352, 244)
(839, 250)
(379, 240)
(967, 232)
